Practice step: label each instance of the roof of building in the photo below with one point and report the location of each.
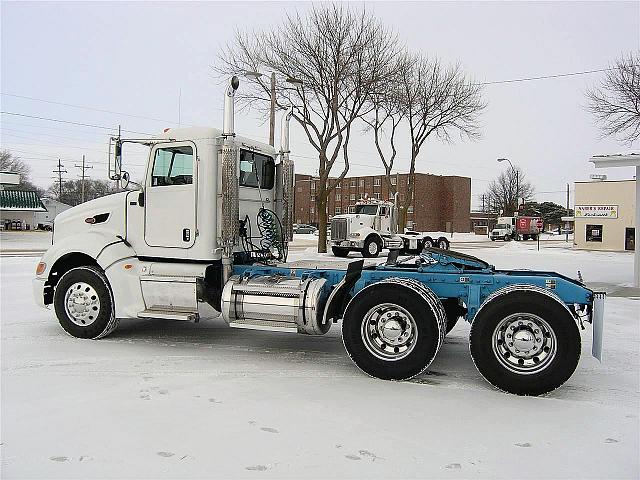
(21, 200)
(618, 160)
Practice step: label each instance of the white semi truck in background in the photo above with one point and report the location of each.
(208, 228)
(372, 227)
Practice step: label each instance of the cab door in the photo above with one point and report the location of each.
(170, 196)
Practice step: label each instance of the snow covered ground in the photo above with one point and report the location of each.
(160, 399)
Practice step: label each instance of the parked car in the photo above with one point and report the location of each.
(303, 228)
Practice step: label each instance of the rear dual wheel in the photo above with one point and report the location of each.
(393, 329)
(525, 342)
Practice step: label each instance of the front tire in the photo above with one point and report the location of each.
(525, 342)
(443, 243)
(371, 248)
(83, 303)
(340, 252)
(393, 329)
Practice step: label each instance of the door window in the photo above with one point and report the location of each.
(172, 166)
(255, 168)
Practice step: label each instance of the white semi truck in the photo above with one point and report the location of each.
(208, 228)
(372, 227)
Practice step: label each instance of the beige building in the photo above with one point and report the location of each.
(605, 215)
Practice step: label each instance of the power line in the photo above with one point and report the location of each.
(84, 107)
(69, 122)
(544, 77)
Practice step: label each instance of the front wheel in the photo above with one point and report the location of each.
(340, 252)
(371, 248)
(443, 243)
(525, 342)
(84, 304)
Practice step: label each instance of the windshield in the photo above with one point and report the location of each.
(367, 209)
(502, 225)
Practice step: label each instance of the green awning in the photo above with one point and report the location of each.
(21, 200)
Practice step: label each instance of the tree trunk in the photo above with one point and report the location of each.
(322, 219)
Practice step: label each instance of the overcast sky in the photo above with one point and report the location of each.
(136, 58)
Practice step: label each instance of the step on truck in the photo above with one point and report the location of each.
(208, 228)
(372, 227)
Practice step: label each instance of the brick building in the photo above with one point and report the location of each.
(442, 203)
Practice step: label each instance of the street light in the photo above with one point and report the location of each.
(517, 185)
(272, 95)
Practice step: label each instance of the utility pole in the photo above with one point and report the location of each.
(566, 238)
(272, 117)
(84, 168)
(60, 171)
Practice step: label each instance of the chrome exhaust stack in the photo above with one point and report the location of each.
(229, 172)
(288, 178)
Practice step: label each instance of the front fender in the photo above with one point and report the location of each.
(104, 248)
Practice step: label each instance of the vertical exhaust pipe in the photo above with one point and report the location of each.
(229, 171)
(230, 92)
(288, 178)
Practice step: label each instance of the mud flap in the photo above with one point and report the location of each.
(597, 322)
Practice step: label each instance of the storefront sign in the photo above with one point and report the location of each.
(596, 211)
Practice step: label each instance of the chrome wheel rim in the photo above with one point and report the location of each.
(524, 343)
(82, 304)
(389, 332)
(442, 245)
(373, 248)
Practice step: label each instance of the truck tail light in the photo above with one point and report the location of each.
(41, 268)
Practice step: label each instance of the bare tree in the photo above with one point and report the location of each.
(72, 190)
(339, 57)
(502, 193)
(616, 102)
(432, 100)
(387, 112)
(14, 164)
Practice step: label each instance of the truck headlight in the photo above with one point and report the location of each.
(354, 235)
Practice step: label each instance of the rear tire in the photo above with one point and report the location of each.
(83, 303)
(393, 329)
(340, 252)
(517, 320)
(443, 243)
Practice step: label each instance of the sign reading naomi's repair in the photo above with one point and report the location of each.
(596, 211)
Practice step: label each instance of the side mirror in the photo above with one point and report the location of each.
(126, 178)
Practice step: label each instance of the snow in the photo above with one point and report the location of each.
(161, 399)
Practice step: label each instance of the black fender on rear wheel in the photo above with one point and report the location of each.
(83, 303)
(525, 341)
(393, 329)
(372, 247)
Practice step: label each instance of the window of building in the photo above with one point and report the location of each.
(352, 209)
(313, 198)
(338, 185)
(172, 166)
(353, 183)
(312, 210)
(376, 196)
(256, 167)
(352, 197)
(338, 197)
(338, 210)
(313, 185)
(410, 209)
(300, 189)
(361, 183)
(394, 180)
(376, 182)
(402, 197)
(594, 233)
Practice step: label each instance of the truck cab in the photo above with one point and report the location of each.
(371, 228)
